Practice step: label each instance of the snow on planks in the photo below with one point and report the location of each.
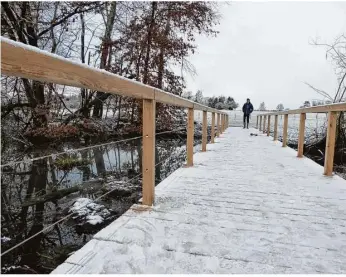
(246, 206)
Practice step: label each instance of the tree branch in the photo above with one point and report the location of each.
(321, 92)
(76, 11)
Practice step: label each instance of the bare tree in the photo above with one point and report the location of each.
(262, 107)
(280, 107)
(336, 53)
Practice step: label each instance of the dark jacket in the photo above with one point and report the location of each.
(247, 108)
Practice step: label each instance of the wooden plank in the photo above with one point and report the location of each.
(148, 157)
(301, 136)
(190, 137)
(276, 128)
(196, 215)
(285, 130)
(171, 99)
(204, 132)
(260, 124)
(218, 125)
(337, 107)
(264, 123)
(268, 128)
(200, 107)
(330, 144)
(212, 127)
(21, 60)
(35, 64)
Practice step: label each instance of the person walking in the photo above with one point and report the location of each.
(247, 110)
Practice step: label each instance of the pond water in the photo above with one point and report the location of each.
(37, 193)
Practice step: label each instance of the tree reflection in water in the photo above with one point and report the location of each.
(37, 194)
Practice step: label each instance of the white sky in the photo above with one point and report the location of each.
(263, 52)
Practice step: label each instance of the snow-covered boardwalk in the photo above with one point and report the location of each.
(247, 206)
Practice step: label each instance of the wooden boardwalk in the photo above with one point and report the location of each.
(247, 206)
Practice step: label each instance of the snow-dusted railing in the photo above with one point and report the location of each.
(29, 62)
(21, 60)
(332, 111)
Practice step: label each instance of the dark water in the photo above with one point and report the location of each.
(37, 194)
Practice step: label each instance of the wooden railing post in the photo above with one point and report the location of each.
(204, 132)
(257, 123)
(301, 135)
(223, 123)
(190, 137)
(284, 132)
(212, 127)
(260, 124)
(148, 156)
(330, 144)
(221, 130)
(264, 123)
(218, 125)
(276, 128)
(268, 129)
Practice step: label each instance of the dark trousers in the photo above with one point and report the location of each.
(247, 119)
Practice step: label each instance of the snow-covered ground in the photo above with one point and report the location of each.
(86, 211)
(5, 239)
(246, 206)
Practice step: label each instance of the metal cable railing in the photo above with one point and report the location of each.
(71, 151)
(83, 206)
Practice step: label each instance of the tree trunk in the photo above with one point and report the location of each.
(149, 39)
(162, 53)
(84, 109)
(37, 88)
(86, 173)
(99, 161)
(105, 46)
(161, 67)
(147, 59)
(31, 248)
(40, 112)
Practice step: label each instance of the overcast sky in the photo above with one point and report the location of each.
(263, 52)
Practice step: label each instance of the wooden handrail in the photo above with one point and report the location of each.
(331, 109)
(21, 60)
(337, 107)
(25, 61)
